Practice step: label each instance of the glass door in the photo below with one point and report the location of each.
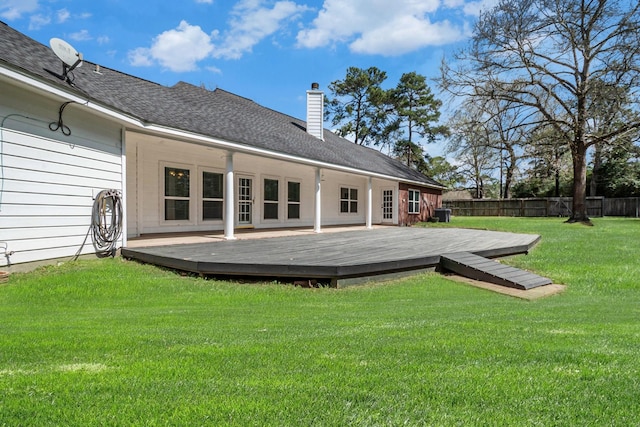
(245, 201)
(387, 205)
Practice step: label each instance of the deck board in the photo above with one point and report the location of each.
(334, 255)
(478, 268)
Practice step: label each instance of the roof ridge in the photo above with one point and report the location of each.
(103, 67)
(235, 95)
(260, 105)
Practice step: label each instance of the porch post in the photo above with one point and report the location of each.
(229, 199)
(369, 203)
(317, 224)
(123, 151)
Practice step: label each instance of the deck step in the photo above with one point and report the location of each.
(479, 268)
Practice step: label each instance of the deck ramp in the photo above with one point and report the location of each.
(479, 268)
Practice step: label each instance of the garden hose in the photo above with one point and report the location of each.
(106, 221)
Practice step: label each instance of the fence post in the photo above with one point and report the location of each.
(546, 207)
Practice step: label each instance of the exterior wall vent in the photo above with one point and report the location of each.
(315, 111)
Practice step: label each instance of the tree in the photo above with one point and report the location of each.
(493, 132)
(611, 113)
(550, 164)
(410, 153)
(546, 167)
(619, 171)
(510, 132)
(562, 60)
(441, 170)
(358, 105)
(415, 109)
(477, 159)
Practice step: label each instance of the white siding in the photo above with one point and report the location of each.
(49, 179)
(331, 184)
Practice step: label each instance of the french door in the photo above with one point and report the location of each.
(387, 205)
(245, 200)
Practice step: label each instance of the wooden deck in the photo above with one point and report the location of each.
(333, 257)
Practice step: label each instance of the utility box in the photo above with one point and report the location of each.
(443, 215)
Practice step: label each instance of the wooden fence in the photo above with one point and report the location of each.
(534, 207)
(628, 206)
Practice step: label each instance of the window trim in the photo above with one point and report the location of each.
(201, 199)
(271, 202)
(298, 203)
(163, 191)
(414, 203)
(349, 200)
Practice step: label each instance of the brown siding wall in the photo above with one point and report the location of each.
(430, 200)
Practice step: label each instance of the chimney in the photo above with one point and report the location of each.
(315, 111)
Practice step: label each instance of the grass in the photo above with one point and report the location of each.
(109, 342)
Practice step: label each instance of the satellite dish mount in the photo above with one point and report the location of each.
(71, 58)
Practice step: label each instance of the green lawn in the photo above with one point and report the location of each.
(110, 342)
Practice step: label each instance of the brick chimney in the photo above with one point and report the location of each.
(315, 111)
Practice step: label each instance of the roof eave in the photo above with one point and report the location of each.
(136, 122)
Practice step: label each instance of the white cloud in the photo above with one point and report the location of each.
(82, 35)
(252, 22)
(62, 15)
(38, 21)
(453, 3)
(140, 57)
(178, 50)
(214, 70)
(474, 8)
(405, 34)
(103, 40)
(14, 9)
(385, 27)
(181, 49)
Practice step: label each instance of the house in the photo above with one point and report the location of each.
(183, 159)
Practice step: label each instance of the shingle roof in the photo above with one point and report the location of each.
(218, 114)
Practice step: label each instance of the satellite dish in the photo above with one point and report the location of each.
(70, 57)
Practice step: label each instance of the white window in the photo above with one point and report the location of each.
(414, 201)
(293, 200)
(271, 202)
(176, 194)
(212, 196)
(348, 200)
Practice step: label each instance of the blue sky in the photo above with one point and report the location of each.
(267, 50)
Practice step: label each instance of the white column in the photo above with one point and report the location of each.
(317, 224)
(230, 200)
(123, 185)
(369, 203)
(139, 190)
